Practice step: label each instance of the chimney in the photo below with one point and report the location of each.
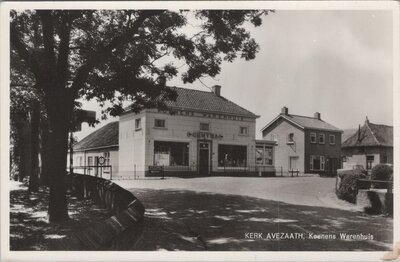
(317, 115)
(217, 90)
(285, 110)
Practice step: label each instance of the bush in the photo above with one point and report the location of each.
(381, 172)
(348, 187)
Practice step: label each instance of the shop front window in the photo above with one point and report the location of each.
(171, 153)
(232, 156)
(259, 155)
(268, 156)
(263, 155)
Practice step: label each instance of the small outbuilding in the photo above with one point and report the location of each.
(370, 145)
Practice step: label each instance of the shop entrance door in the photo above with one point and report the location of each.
(204, 158)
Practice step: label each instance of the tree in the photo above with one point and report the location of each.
(118, 55)
(24, 116)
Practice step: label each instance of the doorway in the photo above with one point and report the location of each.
(204, 158)
(293, 162)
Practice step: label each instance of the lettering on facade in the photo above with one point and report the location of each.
(204, 135)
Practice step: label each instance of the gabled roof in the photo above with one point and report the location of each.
(371, 135)
(191, 99)
(304, 122)
(106, 136)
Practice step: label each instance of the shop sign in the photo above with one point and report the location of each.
(204, 135)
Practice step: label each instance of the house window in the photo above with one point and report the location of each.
(263, 155)
(313, 137)
(317, 163)
(171, 153)
(274, 137)
(243, 130)
(232, 156)
(290, 138)
(106, 156)
(331, 139)
(138, 124)
(370, 161)
(204, 127)
(321, 138)
(159, 123)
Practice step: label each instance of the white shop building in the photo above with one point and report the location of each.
(202, 133)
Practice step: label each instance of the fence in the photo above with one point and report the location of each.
(102, 171)
(139, 171)
(375, 184)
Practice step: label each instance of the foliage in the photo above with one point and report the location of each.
(118, 55)
(115, 56)
(348, 187)
(381, 172)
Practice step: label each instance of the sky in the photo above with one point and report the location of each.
(338, 63)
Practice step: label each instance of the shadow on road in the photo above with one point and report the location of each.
(189, 220)
(29, 226)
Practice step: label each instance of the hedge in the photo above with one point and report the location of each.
(381, 172)
(348, 187)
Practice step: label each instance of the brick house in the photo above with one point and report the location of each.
(306, 144)
(370, 145)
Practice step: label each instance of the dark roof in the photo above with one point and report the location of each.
(191, 99)
(371, 135)
(103, 137)
(305, 122)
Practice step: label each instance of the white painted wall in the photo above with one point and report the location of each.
(282, 150)
(131, 144)
(177, 127)
(360, 160)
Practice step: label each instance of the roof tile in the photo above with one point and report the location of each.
(103, 137)
(371, 135)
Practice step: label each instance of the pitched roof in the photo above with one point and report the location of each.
(104, 137)
(304, 122)
(191, 99)
(371, 135)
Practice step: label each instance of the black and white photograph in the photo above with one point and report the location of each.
(260, 128)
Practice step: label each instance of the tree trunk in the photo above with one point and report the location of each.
(24, 148)
(58, 142)
(44, 152)
(59, 107)
(71, 153)
(35, 119)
